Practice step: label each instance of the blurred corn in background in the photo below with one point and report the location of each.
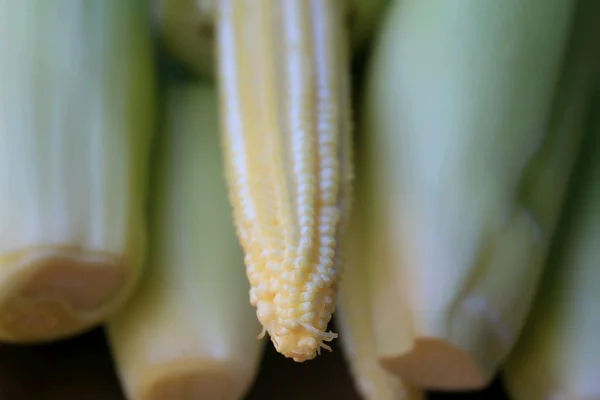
(77, 119)
(354, 315)
(557, 355)
(457, 108)
(189, 331)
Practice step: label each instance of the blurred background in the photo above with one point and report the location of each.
(81, 369)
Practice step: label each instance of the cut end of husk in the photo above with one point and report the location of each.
(437, 365)
(195, 378)
(52, 293)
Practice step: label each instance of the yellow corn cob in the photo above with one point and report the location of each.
(286, 136)
(188, 332)
(76, 115)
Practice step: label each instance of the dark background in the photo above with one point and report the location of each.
(81, 369)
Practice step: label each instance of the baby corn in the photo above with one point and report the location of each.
(354, 318)
(187, 332)
(286, 137)
(76, 122)
(469, 179)
(557, 356)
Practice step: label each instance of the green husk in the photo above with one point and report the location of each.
(465, 159)
(558, 352)
(189, 332)
(77, 119)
